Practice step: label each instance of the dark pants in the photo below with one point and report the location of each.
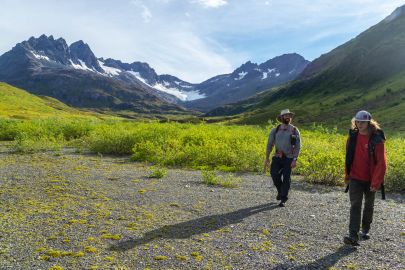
(280, 171)
(356, 191)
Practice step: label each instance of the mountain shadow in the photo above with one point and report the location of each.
(189, 228)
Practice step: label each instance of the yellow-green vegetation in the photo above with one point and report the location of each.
(181, 257)
(160, 258)
(158, 172)
(90, 249)
(19, 104)
(56, 267)
(197, 256)
(262, 246)
(265, 232)
(111, 236)
(351, 266)
(210, 178)
(202, 146)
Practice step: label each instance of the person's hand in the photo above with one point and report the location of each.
(266, 165)
(293, 164)
(373, 189)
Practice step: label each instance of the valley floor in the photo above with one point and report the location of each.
(81, 211)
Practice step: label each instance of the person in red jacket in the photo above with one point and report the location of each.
(366, 164)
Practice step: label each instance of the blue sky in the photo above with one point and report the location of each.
(193, 39)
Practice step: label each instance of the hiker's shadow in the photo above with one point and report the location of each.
(192, 227)
(322, 263)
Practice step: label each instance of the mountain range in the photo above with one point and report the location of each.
(74, 75)
(367, 72)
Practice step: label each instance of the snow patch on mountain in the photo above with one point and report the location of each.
(81, 66)
(241, 75)
(182, 95)
(40, 56)
(109, 70)
(138, 76)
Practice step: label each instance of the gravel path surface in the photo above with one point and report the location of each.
(80, 211)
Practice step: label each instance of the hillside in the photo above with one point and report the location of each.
(19, 104)
(368, 72)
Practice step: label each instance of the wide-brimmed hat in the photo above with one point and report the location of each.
(284, 112)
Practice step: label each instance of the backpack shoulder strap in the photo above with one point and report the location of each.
(277, 128)
(376, 138)
(350, 149)
(294, 130)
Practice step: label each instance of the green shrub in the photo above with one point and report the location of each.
(26, 144)
(322, 157)
(158, 172)
(228, 181)
(202, 146)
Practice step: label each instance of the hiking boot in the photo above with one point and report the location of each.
(364, 235)
(349, 240)
(282, 202)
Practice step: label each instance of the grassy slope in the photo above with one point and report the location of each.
(385, 99)
(19, 104)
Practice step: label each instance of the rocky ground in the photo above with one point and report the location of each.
(82, 211)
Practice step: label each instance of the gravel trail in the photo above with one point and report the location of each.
(79, 211)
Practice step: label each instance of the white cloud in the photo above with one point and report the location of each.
(146, 14)
(211, 3)
(186, 55)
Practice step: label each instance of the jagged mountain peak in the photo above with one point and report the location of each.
(248, 65)
(82, 54)
(44, 41)
(47, 48)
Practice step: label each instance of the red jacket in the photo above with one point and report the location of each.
(378, 157)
